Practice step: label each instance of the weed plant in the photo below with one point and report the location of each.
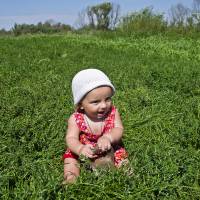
(157, 80)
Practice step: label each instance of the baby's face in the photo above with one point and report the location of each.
(97, 103)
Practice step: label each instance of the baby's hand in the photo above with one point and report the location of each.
(104, 143)
(86, 151)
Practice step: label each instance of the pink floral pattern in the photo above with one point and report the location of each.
(86, 137)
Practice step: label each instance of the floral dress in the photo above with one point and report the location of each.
(86, 137)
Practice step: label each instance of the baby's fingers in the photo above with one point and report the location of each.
(105, 146)
(89, 153)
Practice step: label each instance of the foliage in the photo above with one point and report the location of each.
(195, 15)
(104, 19)
(101, 13)
(102, 16)
(46, 27)
(183, 19)
(179, 15)
(4, 32)
(158, 96)
(143, 21)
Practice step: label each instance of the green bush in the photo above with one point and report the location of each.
(46, 28)
(143, 21)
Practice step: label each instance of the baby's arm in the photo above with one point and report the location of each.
(72, 140)
(116, 133)
(114, 136)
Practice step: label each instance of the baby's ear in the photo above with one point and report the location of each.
(79, 108)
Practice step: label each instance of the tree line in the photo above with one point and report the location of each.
(106, 17)
(47, 27)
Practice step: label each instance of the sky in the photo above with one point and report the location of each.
(66, 11)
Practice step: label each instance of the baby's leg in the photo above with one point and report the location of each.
(105, 161)
(71, 170)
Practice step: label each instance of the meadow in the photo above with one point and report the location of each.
(157, 80)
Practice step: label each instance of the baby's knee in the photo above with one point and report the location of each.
(71, 164)
(71, 170)
(103, 162)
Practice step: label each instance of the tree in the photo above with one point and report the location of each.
(196, 6)
(102, 16)
(144, 20)
(114, 15)
(179, 14)
(81, 21)
(196, 13)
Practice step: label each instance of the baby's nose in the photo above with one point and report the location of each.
(103, 105)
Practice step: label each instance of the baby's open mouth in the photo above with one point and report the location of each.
(101, 114)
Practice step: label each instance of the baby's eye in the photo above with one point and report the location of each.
(108, 99)
(94, 102)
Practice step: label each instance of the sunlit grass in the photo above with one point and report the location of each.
(158, 95)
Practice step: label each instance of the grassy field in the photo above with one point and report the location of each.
(158, 95)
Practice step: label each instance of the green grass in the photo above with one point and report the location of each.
(158, 95)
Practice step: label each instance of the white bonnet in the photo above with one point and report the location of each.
(87, 80)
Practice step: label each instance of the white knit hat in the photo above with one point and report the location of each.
(87, 80)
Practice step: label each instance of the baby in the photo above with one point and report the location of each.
(95, 128)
